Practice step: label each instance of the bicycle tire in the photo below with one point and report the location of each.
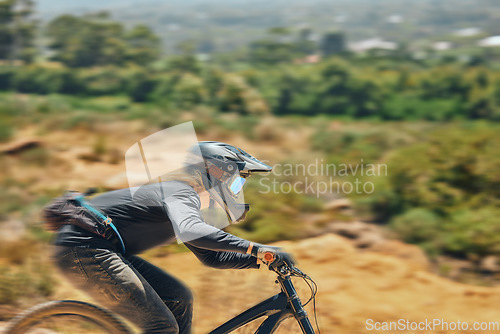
(100, 316)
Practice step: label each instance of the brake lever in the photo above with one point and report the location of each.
(282, 271)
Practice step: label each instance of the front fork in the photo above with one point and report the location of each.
(295, 303)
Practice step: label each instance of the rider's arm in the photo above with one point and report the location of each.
(223, 260)
(183, 210)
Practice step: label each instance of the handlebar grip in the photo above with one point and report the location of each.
(269, 257)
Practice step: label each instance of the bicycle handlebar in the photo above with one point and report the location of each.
(286, 270)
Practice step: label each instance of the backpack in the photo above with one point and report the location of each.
(72, 208)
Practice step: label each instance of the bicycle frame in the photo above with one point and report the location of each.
(277, 308)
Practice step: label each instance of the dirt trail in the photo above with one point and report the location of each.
(354, 286)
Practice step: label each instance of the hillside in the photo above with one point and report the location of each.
(54, 152)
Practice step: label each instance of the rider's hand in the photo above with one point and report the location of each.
(282, 258)
(272, 256)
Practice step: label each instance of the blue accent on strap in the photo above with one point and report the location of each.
(84, 203)
(104, 218)
(119, 236)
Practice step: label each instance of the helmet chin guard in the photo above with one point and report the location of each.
(227, 168)
(236, 212)
(225, 186)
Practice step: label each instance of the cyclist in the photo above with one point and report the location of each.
(157, 214)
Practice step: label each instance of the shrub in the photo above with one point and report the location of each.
(417, 225)
(139, 86)
(101, 81)
(441, 193)
(42, 80)
(6, 131)
(472, 232)
(6, 77)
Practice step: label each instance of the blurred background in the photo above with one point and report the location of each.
(410, 85)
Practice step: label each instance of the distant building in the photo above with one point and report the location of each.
(340, 18)
(310, 59)
(373, 43)
(173, 27)
(442, 46)
(203, 57)
(395, 19)
(492, 41)
(332, 43)
(468, 32)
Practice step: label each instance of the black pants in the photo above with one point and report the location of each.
(130, 286)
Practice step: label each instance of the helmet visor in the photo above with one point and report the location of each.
(237, 185)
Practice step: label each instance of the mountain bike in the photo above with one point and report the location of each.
(69, 316)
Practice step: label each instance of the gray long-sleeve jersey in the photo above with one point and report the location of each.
(159, 214)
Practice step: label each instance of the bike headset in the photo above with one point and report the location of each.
(223, 173)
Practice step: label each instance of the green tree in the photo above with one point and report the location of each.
(273, 49)
(143, 45)
(186, 61)
(236, 95)
(342, 93)
(17, 30)
(86, 41)
(95, 40)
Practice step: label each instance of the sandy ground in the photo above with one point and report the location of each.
(354, 287)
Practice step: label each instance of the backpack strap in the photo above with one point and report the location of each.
(105, 219)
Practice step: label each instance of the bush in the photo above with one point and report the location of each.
(43, 80)
(472, 232)
(6, 131)
(417, 225)
(139, 86)
(101, 81)
(442, 193)
(6, 77)
(351, 145)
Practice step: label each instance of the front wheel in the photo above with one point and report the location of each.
(66, 316)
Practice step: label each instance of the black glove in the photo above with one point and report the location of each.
(282, 258)
(272, 256)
